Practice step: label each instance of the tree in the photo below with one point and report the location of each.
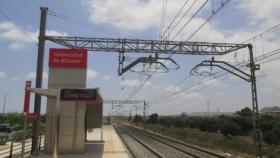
(183, 115)
(153, 119)
(245, 112)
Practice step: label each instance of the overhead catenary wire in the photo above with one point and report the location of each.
(170, 30)
(208, 19)
(214, 12)
(259, 58)
(24, 32)
(176, 16)
(266, 32)
(231, 86)
(172, 39)
(143, 83)
(83, 23)
(200, 8)
(163, 13)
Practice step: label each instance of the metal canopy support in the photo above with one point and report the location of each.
(146, 46)
(123, 101)
(148, 60)
(223, 65)
(256, 136)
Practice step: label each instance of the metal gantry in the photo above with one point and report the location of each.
(145, 46)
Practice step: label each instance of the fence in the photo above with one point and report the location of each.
(14, 149)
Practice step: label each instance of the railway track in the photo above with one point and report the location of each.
(145, 144)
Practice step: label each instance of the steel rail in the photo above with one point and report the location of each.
(148, 134)
(143, 144)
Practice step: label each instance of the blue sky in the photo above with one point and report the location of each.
(238, 21)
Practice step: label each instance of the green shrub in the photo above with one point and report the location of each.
(272, 137)
(209, 124)
(178, 122)
(228, 127)
(18, 136)
(246, 123)
(3, 139)
(165, 121)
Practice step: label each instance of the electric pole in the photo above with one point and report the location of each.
(39, 77)
(4, 104)
(144, 115)
(208, 107)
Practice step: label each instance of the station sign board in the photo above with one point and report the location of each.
(32, 116)
(78, 94)
(67, 58)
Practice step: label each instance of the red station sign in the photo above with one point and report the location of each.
(68, 58)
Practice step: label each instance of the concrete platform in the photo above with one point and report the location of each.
(110, 147)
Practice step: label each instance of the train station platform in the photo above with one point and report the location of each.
(110, 147)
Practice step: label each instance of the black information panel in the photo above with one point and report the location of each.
(78, 94)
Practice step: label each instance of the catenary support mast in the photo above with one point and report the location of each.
(39, 76)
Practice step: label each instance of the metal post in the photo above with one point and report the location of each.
(23, 136)
(4, 105)
(56, 124)
(102, 124)
(144, 115)
(40, 141)
(11, 148)
(39, 76)
(256, 132)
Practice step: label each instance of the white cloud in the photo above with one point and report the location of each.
(107, 77)
(172, 88)
(3, 75)
(91, 73)
(32, 75)
(14, 79)
(136, 15)
(148, 84)
(19, 37)
(130, 83)
(259, 10)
